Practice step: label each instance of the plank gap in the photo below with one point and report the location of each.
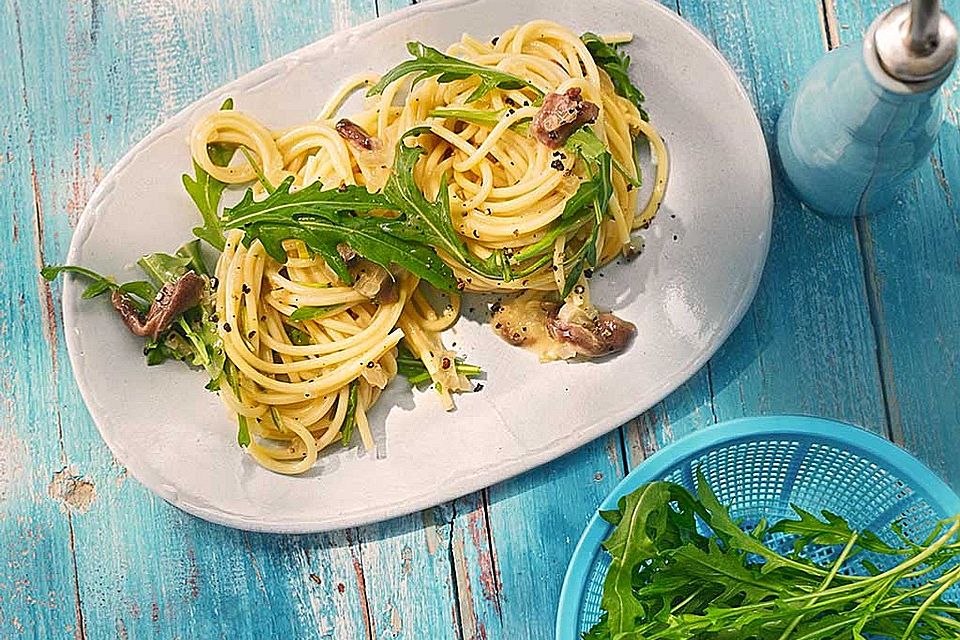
(624, 456)
(893, 423)
(710, 391)
(362, 584)
(492, 550)
(451, 557)
(828, 21)
(81, 631)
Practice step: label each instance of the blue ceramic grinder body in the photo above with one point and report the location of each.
(867, 115)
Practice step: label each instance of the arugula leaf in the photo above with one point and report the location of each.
(376, 240)
(283, 205)
(323, 219)
(484, 117)
(730, 533)
(50, 273)
(206, 191)
(616, 64)
(298, 337)
(425, 221)
(243, 429)
(730, 572)
(199, 328)
(313, 313)
(257, 169)
(192, 251)
(168, 346)
(96, 288)
(586, 255)
(350, 420)
(812, 530)
(641, 521)
(429, 62)
(141, 292)
(584, 141)
(139, 289)
(163, 267)
(832, 530)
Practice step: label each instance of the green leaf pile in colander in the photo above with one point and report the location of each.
(667, 580)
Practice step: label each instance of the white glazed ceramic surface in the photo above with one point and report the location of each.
(686, 292)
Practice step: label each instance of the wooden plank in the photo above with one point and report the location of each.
(515, 561)
(146, 569)
(806, 345)
(809, 330)
(38, 590)
(913, 276)
(408, 562)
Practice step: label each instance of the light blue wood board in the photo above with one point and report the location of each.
(913, 275)
(811, 302)
(37, 577)
(806, 345)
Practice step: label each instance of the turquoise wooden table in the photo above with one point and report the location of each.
(854, 320)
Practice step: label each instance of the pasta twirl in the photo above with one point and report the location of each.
(311, 352)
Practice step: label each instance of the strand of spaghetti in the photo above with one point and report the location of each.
(504, 124)
(347, 87)
(322, 384)
(236, 128)
(429, 320)
(660, 179)
(309, 458)
(365, 399)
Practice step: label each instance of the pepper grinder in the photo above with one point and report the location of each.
(867, 115)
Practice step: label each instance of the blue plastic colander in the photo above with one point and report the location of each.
(759, 467)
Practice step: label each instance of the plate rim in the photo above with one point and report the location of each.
(837, 432)
(499, 473)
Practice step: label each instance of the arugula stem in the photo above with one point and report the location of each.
(817, 634)
(948, 579)
(198, 344)
(261, 178)
(842, 594)
(680, 605)
(826, 583)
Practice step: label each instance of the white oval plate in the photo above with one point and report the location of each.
(686, 292)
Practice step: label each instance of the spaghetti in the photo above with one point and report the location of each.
(311, 353)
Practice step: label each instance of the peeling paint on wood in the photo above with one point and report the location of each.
(73, 492)
(11, 461)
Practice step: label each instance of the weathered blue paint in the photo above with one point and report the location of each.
(854, 321)
(912, 256)
(806, 345)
